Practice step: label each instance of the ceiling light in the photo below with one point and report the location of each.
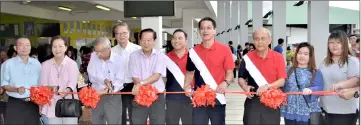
(134, 17)
(102, 7)
(64, 8)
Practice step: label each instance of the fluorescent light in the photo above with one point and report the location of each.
(102, 7)
(64, 8)
(134, 17)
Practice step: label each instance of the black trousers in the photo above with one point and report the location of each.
(340, 119)
(178, 110)
(22, 112)
(2, 112)
(256, 113)
(216, 114)
(127, 100)
(156, 112)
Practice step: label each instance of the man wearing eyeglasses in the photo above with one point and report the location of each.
(124, 49)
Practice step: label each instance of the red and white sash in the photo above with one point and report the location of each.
(254, 72)
(206, 75)
(176, 71)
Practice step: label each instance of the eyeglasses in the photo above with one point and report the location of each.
(122, 34)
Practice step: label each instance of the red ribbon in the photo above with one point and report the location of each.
(204, 96)
(146, 95)
(273, 98)
(89, 97)
(41, 95)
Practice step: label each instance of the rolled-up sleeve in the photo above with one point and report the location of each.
(5, 74)
(73, 76)
(242, 70)
(160, 66)
(133, 68)
(94, 77)
(44, 78)
(353, 68)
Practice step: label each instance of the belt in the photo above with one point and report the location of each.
(22, 99)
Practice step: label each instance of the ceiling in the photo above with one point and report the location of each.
(53, 5)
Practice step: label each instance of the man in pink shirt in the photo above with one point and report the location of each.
(146, 67)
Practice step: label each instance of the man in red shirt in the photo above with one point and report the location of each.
(271, 74)
(211, 63)
(179, 106)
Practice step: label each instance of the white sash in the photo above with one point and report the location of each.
(206, 75)
(254, 72)
(176, 71)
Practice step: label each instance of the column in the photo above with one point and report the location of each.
(257, 14)
(243, 18)
(156, 24)
(318, 28)
(188, 28)
(227, 23)
(220, 20)
(235, 22)
(279, 24)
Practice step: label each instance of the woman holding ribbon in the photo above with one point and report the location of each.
(340, 71)
(302, 77)
(60, 73)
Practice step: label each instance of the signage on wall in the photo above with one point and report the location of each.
(29, 29)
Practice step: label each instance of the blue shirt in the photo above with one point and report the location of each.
(16, 73)
(297, 108)
(278, 48)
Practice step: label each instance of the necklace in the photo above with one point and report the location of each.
(58, 71)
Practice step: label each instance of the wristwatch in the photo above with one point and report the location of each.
(227, 82)
(356, 95)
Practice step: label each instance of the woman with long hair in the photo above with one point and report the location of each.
(302, 77)
(340, 71)
(60, 73)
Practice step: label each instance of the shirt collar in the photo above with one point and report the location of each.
(269, 54)
(126, 47)
(153, 52)
(112, 57)
(213, 46)
(63, 63)
(30, 61)
(172, 53)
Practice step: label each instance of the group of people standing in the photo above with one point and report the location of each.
(126, 67)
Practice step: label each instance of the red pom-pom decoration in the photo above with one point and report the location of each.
(274, 98)
(147, 94)
(41, 95)
(89, 97)
(204, 96)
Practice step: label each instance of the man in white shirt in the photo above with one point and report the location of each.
(124, 49)
(105, 73)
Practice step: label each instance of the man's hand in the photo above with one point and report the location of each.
(103, 92)
(347, 93)
(187, 90)
(337, 86)
(21, 90)
(248, 89)
(136, 89)
(262, 89)
(307, 91)
(108, 84)
(221, 88)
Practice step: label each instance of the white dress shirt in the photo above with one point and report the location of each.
(98, 70)
(125, 54)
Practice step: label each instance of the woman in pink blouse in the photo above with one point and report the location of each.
(61, 74)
